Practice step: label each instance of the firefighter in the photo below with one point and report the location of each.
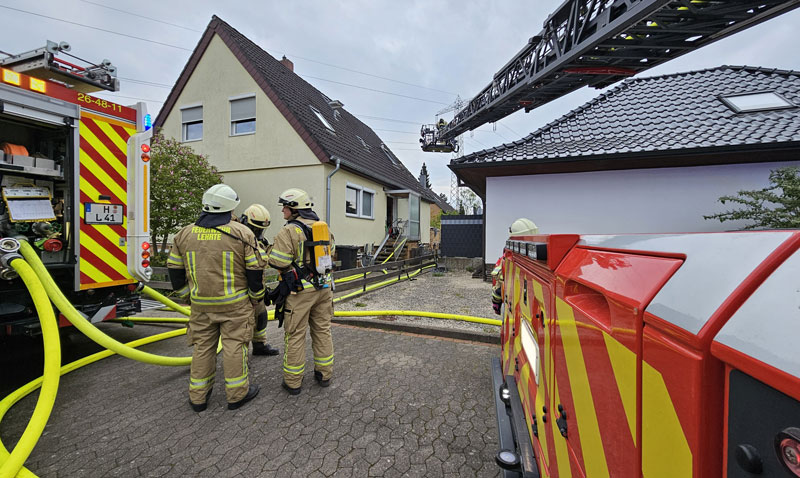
(310, 303)
(256, 218)
(520, 227)
(213, 262)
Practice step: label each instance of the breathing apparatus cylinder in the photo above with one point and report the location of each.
(321, 237)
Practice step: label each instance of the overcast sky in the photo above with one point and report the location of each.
(418, 55)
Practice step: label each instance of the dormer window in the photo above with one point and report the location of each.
(389, 154)
(363, 143)
(756, 101)
(322, 119)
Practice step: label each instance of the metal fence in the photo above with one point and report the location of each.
(357, 278)
(462, 235)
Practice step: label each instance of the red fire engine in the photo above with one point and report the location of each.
(73, 179)
(650, 355)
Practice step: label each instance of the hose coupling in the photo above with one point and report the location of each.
(8, 274)
(5, 259)
(8, 245)
(140, 287)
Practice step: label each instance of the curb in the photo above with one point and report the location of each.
(468, 335)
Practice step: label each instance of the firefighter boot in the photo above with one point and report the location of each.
(320, 381)
(264, 349)
(292, 391)
(199, 407)
(251, 394)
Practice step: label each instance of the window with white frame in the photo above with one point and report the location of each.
(359, 201)
(413, 217)
(192, 123)
(322, 119)
(243, 115)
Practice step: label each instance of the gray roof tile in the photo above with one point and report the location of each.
(663, 113)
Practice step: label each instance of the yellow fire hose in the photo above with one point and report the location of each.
(10, 464)
(69, 311)
(36, 278)
(149, 292)
(19, 394)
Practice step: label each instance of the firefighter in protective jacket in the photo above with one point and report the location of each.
(310, 303)
(213, 262)
(256, 218)
(520, 227)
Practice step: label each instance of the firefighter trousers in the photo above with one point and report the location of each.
(310, 309)
(260, 323)
(205, 329)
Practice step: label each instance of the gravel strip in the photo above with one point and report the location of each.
(453, 292)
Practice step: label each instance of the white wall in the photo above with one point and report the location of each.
(608, 202)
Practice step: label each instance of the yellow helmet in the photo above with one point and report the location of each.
(257, 216)
(523, 227)
(295, 199)
(220, 198)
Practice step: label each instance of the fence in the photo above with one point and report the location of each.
(462, 235)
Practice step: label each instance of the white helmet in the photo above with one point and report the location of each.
(256, 216)
(295, 199)
(220, 198)
(523, 227)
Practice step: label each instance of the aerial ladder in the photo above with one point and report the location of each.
(597, 43)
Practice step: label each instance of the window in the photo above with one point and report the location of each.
(363, 143)
(413, 216)
(389, 154)
(192, 123)
(760, 101)
(322, 119)
(359, 201)
(243, 115)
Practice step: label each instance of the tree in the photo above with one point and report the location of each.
(774, 207)
(466, 201)
(424, 178)
(178, 179)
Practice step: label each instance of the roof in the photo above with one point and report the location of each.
(670, 115)
(294, 98)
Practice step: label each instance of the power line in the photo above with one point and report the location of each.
(291, 54)
(395, 131)
(146, 83)
(388, 119)
(506, 127)
(131, 98)
(142, 16)
(94, 28)
(372, 89)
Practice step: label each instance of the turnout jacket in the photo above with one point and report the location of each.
(221, 268)
(288, 247)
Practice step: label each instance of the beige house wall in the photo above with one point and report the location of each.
(349, 230)
(217, 78)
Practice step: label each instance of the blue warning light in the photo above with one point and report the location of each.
(148, 122)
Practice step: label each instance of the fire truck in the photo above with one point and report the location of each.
(639, 355)
(650, 355)
(74, 184)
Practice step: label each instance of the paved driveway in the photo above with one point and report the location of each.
(399, 405)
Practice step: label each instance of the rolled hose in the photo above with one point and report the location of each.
(69, 311)
(22, 392)
(10, 464)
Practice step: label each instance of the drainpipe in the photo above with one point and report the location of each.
(328, 199)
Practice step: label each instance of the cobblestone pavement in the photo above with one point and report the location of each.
(398, 405)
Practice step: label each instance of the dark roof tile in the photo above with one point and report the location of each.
(663, 113)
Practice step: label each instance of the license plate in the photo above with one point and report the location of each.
(102, 213)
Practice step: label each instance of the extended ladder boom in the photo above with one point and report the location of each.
(596, 43)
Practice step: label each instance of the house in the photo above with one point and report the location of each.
(651, 155)
(267, 129)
